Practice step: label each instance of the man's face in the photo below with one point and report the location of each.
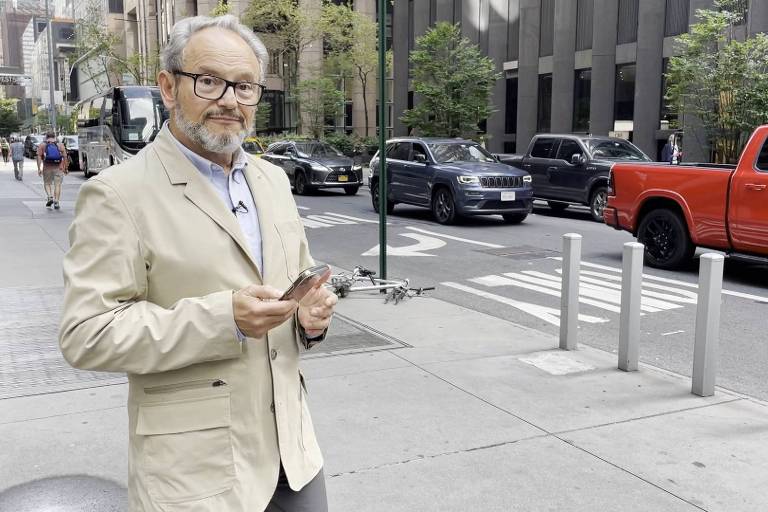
(218, 126)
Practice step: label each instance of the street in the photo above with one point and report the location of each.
(512, 272)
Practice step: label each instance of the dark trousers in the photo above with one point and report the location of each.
(311, 498)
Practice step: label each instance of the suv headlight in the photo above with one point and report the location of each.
(527, 179)
(466, 180)
(357, 168)
(319, 167)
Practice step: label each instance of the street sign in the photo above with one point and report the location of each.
(20, 80)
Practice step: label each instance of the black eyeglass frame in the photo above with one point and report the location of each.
(229, 83)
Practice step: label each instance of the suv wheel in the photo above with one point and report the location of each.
(351, 191)
(300, 183)
(443, 206)
(597, 202)
(514, 218)
(86, 172)
(375, 199)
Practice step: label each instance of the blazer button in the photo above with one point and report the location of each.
(273, 354)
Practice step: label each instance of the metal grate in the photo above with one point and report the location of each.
(521, 252)
(501, 181)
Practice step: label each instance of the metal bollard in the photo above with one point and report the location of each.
(707, 324)
(569, 297)
(631, 297)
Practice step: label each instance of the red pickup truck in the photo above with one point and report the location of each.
(672, 209)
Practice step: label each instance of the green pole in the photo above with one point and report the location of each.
(382, 139)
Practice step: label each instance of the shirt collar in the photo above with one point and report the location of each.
(205, 166)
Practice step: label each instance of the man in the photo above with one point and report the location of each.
(52, 166)
(17, 155)
(177, 258)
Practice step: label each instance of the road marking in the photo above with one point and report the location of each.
(451, 237)
(423, 243)
(493, 281)
(329, 220)
(349, 217)
(302, 207)
(732, 293)
(550, 315)
(671, 333)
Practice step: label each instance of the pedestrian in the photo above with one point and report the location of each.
(17, 155)
(671, 152)
(177, 258)
(5, 148)
(52, 166)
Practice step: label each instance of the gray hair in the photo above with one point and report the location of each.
(173, 53)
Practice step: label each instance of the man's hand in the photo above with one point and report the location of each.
(316, 310)
(257, 309)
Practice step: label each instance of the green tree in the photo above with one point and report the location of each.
(9, 118)
(453, 80)
(352, 40)
(94, 40)
(720, 79)
(221, 9)
(261, 119)
(320, 98)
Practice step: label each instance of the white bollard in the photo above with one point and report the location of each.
(569, 298)
(631, 297)
(707, 324)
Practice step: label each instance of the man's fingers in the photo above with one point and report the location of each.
(262, 292)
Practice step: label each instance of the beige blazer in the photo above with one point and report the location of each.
(155, 256)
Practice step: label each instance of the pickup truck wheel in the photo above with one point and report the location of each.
(443, 206)
(375, 199)
(514, 218)
(597, 203)
(557, 206)
(666, 240)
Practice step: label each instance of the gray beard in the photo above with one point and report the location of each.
(205, 138)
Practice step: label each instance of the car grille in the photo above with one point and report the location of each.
(333, 176)
(501, 181)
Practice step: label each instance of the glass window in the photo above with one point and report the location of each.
(418, 149)
(584, 22)
(106, 110)
(446, 152)
(547, 28)
(628, 17)
(510, 115)
(399, 151)
(762, 158)
(141, 115)
(568, 148)
(582, 90)
(543, 147)
(677, 15)
(116, 6)
(277, 149)
(624, 106)
(544, 118)
(320, 149)
(613, 149)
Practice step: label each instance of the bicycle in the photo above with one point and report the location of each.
(397, 289)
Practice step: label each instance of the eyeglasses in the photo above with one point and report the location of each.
(210, 87)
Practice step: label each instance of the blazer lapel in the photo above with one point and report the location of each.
(181, 171)
(263, 198)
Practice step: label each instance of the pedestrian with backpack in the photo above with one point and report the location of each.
(52, 166)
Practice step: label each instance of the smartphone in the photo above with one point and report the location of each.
(306, 281)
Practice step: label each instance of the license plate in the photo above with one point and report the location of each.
(343, 177)
(507, 196)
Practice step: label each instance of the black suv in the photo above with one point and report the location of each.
(31, 143)
(315, 164)
(573, 169)
(453, 177)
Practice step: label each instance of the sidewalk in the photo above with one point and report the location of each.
(441, 409)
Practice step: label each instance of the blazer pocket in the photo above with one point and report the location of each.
(187, 450)
(290, 238)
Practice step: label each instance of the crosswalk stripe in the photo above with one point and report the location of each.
(349, 217)
(684, 296)
(458, 239)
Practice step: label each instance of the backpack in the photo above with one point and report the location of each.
(52, 153)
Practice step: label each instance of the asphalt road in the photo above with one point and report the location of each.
(512, 272)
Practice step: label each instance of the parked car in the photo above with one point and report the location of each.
(573, 169)
(31, 143)
(452, 177)
(671, 209)
(252, 145)
(315, 164)
(73, 149)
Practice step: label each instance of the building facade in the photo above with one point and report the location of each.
(582, 66)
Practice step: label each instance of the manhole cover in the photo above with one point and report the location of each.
(346, 336)
(521, 252)
(77, 493)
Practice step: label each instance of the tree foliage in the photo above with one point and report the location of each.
(453, 81)
(351, 39)
(320, 98)
(9, 119)
(221, 9)
(721, 80)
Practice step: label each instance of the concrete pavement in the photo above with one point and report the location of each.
(451, 409)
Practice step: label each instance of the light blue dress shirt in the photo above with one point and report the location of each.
(234, 191)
